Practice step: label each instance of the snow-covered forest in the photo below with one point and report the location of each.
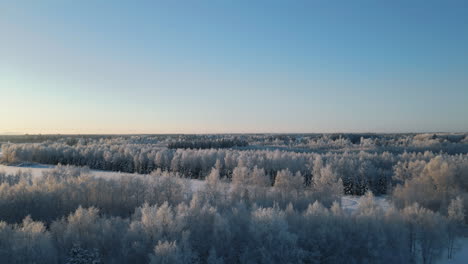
(241, 198)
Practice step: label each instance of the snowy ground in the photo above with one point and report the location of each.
(460, 256)
(35, 169)
(349, 203)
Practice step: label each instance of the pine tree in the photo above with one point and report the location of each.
(80, 255)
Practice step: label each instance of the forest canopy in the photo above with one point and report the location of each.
(233, 198)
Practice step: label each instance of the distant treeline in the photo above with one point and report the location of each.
(208, 144)
(38, 138)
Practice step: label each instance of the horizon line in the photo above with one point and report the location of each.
(227, 133)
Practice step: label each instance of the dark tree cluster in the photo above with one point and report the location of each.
(207, 144)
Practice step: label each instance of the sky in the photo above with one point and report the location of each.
(233, 66)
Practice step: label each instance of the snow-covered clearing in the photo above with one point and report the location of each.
(351, 203)
(36, 170)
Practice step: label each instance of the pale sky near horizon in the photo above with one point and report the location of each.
(233, 66)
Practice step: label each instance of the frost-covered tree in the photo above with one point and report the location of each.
(325, 183)
(288, 181)
(456, 220)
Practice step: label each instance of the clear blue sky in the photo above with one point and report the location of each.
(233, 66)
